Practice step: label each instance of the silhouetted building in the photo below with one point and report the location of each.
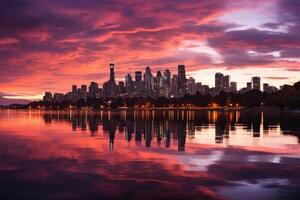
(256, 83)
(138, 76)
(233, 87)
(226, 83)
(181, 80)
(47, 97)
(219, 82)
(148, 82)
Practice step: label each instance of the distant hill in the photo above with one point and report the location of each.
(5, 102)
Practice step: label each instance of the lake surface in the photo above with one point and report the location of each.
(149, 155)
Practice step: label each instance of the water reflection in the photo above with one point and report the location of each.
(149, 155)
(161, 127)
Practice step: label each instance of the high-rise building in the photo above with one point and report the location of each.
(84, 88)
(269, 89)
(249, 86)
(191, 86)
(74, 89)
(181, 80)
(219, 82)
(199, 88)
(160, 82)
(174, 86)
(256, 83)
(148, 81)
(155, 86)
(233, 87)
(265, 87)
(112, 73)
(167, 77)
(226, 83)
(129, 84)
(58, 97)
(47, 97)
(93, 90)
(121, 88)
(138, 76)
(110, 88)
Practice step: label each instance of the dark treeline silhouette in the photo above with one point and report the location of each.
(287, 97)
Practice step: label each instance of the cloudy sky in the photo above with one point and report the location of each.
(52, 44)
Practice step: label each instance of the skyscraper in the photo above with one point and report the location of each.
(138, 76)
(249, 86)
(219, 81)
(129, 84)
(256, 83)
(74, 89)
(167, 77)
(93, 90)
(110, 87)
(191, 86)
(174, 86)
(226, 83)
(233, 87)
(181, 80)
(112, 73)
(148, 81)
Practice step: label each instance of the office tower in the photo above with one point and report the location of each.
(191, 86)
(83, 92)
(155, 86)
(226, 83)
(138, 76)
(219, 82)
(112, 73)
(205, 89)
(121, 88)
(74, 89)
(233, 87)
(47, 97)
(58, 97)
(174, 86)
(148, 80)
(93, 90)
(160, 82)
(83, 88)
(269, 89)
(167, 77)
(256, 83)
(265, 87)
(181, 80)
(199, 88)
(110, 88)
(129, 84)
(249, 86)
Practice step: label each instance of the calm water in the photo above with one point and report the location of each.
(149, 155)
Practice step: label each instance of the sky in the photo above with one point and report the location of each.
(49, 45)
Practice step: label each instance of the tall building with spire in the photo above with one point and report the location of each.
(110, 87)
(112, 73)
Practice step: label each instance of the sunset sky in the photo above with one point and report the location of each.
(48, 45)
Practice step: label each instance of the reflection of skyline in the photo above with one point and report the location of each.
(166, 127)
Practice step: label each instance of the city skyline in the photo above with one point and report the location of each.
(150, 84)
(50, 45)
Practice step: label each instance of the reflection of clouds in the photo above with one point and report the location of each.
(263, 189)
(264, 158)
(199, 162)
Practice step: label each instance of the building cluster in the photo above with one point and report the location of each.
(161, 84)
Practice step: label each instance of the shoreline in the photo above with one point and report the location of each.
(262, 109)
